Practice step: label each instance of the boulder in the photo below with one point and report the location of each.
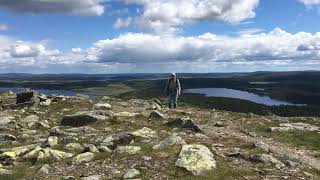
(156, 115)
(145, 133)
(82, 119)
(185, 123)
(44, 169)
(46, 102)
(91, 148)
(33, 154)
(128, 150)
(104, 149)
(84, 157)
(102, 106)
(131, 173)
(27, 97)
(196, 158)
(170, 141)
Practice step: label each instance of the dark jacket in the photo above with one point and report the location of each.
(176, 91)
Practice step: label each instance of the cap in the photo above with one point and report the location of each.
(173, 74)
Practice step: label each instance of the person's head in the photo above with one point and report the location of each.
(173, 75)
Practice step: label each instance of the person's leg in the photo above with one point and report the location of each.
(175, 99)
(170, 100)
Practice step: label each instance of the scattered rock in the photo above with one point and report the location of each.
(74, 147)
(84, 157)
(28, 96)
(169, 141)
(128, 150)
(126, 114)
(145, 133)
(295, 126)
(82, 119)
(119, 139)
(156, 115)
(46, 102)
(44, 169)
(5, 172)
(131, 173)
(196, 158)
(91, 148)
(58, 155)
(102, 106)
(93, 177)
(4, 121)
(52, 141)
(104, 149)
(266, 159)
(30, 119)
(186, 123)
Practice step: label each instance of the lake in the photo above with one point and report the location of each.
(46, 91)
(232, 93)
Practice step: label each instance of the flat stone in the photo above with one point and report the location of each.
(295, 126)
(196, 158)
(119, 139)
(44, 169)
(131, 173)
(185, 123)
(82, 119)
(156, 115)
(30, 119)
(170, 141)
(59, 155)
(102, 106)
(84, 157)
(4, 121)
(126, 114)
(145, 133)
(128, 150)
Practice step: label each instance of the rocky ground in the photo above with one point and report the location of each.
(58, 137)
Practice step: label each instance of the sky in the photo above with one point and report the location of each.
(158, 36)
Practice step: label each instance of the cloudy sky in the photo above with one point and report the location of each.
(152, 36)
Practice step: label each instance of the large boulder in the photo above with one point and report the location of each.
(81, 119)
(185, 123)
(27, 97)
(196, 158)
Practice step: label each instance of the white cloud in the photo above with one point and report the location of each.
(4, 27)
(310, 3)
(122, 23)
(140, 52)
(72, 7)
(164, 16)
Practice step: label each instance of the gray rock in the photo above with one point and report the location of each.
(52, 141)
(91, 148)
(44, 169)
(5, 172)
(105, 149)
(30, 119)
(119, 139)
(196, 158)
(185, 123)
(4, 121)
(102, 106)
(156, 115)
(126, 114)
(266, 159)
(74, 147)
(295, 126)
(82, 119)
(131, 173)
(84, 157)
(68, 178)
(28, 96)
(145, 133)
(169, 142)
(128, 150)
(93, 177)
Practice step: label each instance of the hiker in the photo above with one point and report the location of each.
(173, 90)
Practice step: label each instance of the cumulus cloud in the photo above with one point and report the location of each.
(165, 15)
(122, 23)
(140, 52)
(146, 48)
(72, 7)
(310, 3)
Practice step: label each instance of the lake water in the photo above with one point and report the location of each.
(231, 93)
(46, 91)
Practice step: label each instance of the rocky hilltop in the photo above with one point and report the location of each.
(60, 137)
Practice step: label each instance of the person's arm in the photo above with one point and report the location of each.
(166, 88)
(178, 87)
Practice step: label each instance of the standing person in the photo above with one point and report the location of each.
(173, 90)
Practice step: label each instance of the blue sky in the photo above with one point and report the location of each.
(117, 36)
